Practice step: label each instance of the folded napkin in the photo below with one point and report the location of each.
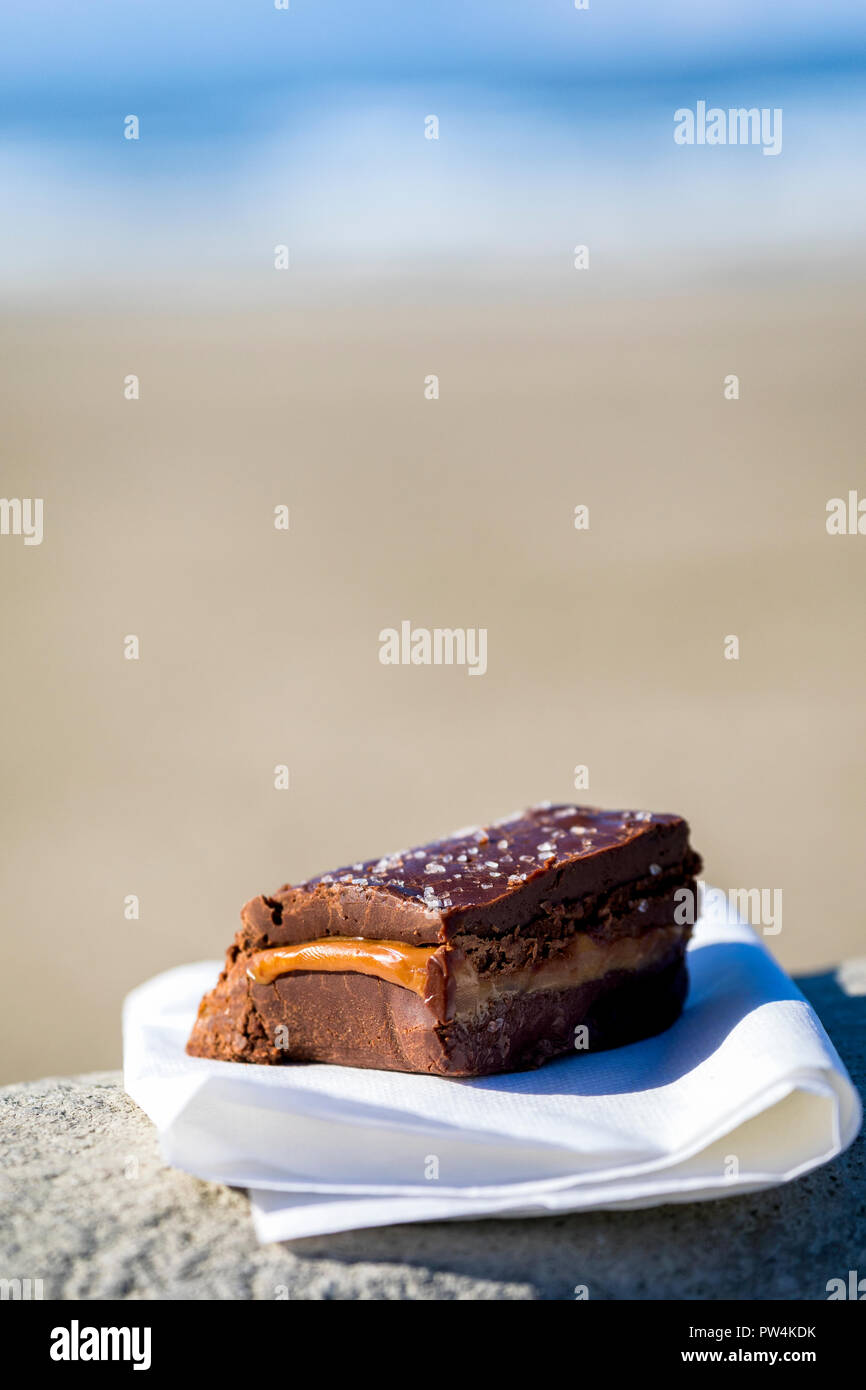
(744, 1091)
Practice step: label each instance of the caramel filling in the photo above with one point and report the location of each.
(582, 961)
(390, 960)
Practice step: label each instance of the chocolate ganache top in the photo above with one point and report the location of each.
(481, 863)
(484, 880)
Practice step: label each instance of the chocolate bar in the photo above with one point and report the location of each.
(551, 932)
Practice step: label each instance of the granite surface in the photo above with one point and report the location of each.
(88, 1207)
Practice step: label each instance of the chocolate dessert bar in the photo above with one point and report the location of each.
(551, 932)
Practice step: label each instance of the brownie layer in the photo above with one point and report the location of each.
(362, 1021)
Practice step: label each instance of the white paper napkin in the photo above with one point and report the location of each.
(744, 1091)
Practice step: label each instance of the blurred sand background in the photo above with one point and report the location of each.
(260, 647)
(412, 257)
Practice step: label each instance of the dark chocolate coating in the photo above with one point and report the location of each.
(484, 881)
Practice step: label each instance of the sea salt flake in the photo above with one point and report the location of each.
(434, 868)
(502, 844)
(546, 848)
(655, 870)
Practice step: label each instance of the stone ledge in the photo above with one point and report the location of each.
(90, 1208)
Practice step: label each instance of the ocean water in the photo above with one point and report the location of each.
(306, 128)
